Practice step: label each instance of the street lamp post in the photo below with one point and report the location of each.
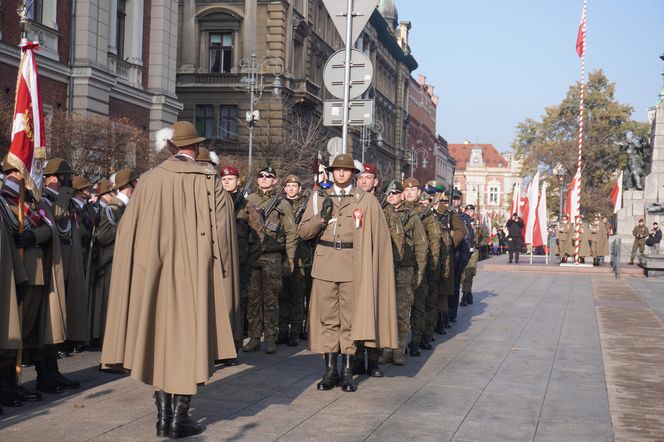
(415, 152)
(365, 136)
(252, 81)
(560, 172)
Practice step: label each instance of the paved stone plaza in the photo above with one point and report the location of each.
(537, 357)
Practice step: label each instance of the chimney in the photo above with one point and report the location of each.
(402, 39)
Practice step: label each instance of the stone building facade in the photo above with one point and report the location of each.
(445, 164)
(99, 57)
(292, 41)
(485, 176)
(421, 144)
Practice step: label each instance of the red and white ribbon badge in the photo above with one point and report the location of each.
(358, 214)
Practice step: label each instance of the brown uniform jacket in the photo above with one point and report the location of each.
(175, 278)
(369, 265)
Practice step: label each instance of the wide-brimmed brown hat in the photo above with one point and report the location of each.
(57, 166)
(184, 134)
(104, 186)
(124, 177)
(205, 156)
(80, 183)
(343, 161)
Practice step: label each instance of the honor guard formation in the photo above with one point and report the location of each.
(175, 271)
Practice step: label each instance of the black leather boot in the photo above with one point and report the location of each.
(414, 348)
(20, 391)
(347, 362)
(373, 368)
(164, 403)
(470, 298)
(182, 425)
(426, 343)
(331, 376)
(52, 361)
(359, 367)
(8, 398)
(45, 382)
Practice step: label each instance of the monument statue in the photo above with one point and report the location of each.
(637, 150)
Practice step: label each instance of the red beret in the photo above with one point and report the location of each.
(229, 170)
(370, 168)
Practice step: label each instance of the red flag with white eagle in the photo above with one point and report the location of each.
(581, 35)
(28, 147)
(616, 194)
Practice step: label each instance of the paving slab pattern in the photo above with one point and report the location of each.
(523, 363)
(633, 346)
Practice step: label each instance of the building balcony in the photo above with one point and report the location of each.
(125, 71)
(210, 79)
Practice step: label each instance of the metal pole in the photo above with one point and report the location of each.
(252, 83)
(349, 45)
(560, 215)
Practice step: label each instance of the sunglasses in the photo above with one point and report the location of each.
(395, 192)
(265, 175)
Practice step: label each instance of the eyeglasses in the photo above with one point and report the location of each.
(265, 175)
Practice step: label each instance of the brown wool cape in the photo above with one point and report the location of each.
(374, 318)
(174, 279)
(10, 325)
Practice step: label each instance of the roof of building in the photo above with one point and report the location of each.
(490, 155)
(388, 9)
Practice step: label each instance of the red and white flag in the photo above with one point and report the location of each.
(581, 35)
(616, 194)
(530, 218)
(573, 195)
(540, 229)
(516, 199)
(28, 147)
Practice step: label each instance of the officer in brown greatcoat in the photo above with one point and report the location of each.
(353, 296)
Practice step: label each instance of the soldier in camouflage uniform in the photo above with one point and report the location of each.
(247, 241)
(453, 232)
(411, 268)
(291, 300)
(479, 237)
(412, 211)
(278, 237)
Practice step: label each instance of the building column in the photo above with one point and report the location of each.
(188, 36)
(134, 33)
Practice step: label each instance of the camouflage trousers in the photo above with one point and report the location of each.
(245, 281)
(405, 299)
(263, 296)
(418, 320)
(469, 272)
(434, 282)
(291, 302)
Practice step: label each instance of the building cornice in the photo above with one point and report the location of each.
(47, 67)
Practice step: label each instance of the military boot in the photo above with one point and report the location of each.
(182, 425)
(470, 298)
(8, 398)
(293, 338)
(386, 357)
(52, 361)
(446, 320)
(359, 368)
(20, 391)
(415, 347)
(45, 382)
(398, 357)
(282, 337)
(440, 327)
(254, 344)
(373, 368)
(347, 362)
(463, 300)
(164, 403)
(331, 376)
(270, 346)
(425, 344)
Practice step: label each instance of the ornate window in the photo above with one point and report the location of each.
(493, 196)
(221, 52)
(205, 120)
(228, 123)
(35, 11)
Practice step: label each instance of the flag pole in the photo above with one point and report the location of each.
(579, 163)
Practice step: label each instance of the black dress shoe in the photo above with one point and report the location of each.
(48, 386)
(9, 399)
(26, 395)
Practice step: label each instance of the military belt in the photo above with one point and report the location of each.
(336, 244)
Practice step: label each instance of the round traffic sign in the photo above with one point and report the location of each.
(361, 73)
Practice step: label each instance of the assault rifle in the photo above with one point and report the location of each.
(271, 205)
(300, 211)
(242, 193)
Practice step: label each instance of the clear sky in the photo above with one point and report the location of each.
(495, 63)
